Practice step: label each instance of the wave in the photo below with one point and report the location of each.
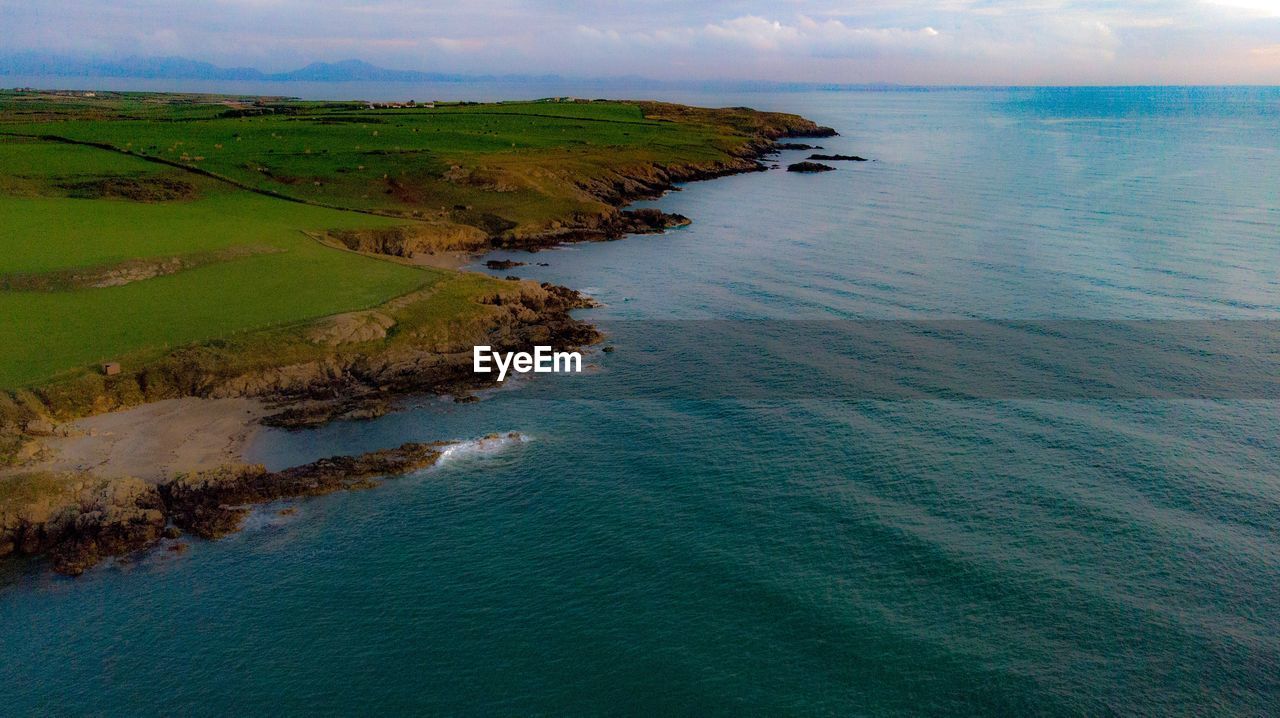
(486, 445)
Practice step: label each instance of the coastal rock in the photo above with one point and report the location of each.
(351, 328)
(611, 226)
(502, 264)
(838, 158)
(214, 503)
(809, 167)
(40, 426)
(410, 240)
(310, 414)
(796, 146)
(650, 221)
(78, 522)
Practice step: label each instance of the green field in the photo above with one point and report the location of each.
(286, 277)
(133, 224)
(522, 162)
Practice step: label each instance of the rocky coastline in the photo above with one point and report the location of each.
(79, 522)
(92, 519)
(634, 184)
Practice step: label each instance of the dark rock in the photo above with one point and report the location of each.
(502, 264)
(607, 350)
(212, 504)
(797, 146)
(815, 131)
(809, 167)
(317, 413)
(108, 518)
(645, 221)
(838, 158)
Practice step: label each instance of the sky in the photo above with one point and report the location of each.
(828, 41)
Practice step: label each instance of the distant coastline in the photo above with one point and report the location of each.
(37, 67)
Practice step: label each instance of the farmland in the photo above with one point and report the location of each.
(134, 224)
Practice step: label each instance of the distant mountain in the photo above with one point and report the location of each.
(179, 68)
(351, 70)
(33, 64)
(167, 68)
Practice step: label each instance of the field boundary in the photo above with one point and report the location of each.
(204, 173)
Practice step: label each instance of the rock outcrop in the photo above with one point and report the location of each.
(809, 167)
(503, 264)
(80, 520)
(409, 240)
(214, 503)
(77, 521)
(838, 158)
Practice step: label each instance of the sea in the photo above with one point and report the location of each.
(834, 463)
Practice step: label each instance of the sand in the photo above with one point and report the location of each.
(155, 441)
(444, 260)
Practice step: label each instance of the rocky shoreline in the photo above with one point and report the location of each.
(81, 521)
(93, 519)
(635, 184)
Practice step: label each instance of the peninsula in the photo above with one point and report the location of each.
(230, 260)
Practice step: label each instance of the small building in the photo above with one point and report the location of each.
(111, 368)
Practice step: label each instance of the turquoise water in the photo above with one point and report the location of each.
(767, 554)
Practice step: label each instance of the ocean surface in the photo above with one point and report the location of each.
(782, 548)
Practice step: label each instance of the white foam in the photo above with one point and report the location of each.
(491, 444)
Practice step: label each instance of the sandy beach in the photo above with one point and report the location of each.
(155, 441)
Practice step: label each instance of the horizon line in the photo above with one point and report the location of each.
(288, 77)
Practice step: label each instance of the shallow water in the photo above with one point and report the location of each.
(828, 555)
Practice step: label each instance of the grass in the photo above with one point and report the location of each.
(23, 491)
(522, 161)
(46, 334)
(159, 178)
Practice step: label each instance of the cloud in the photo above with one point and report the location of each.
(803, 37)
(913, 41)
(1258, 7)
(754, 32)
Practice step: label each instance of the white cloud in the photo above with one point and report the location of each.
(920, 41)
(803, 36)
(1261, 7)
(753, 31)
